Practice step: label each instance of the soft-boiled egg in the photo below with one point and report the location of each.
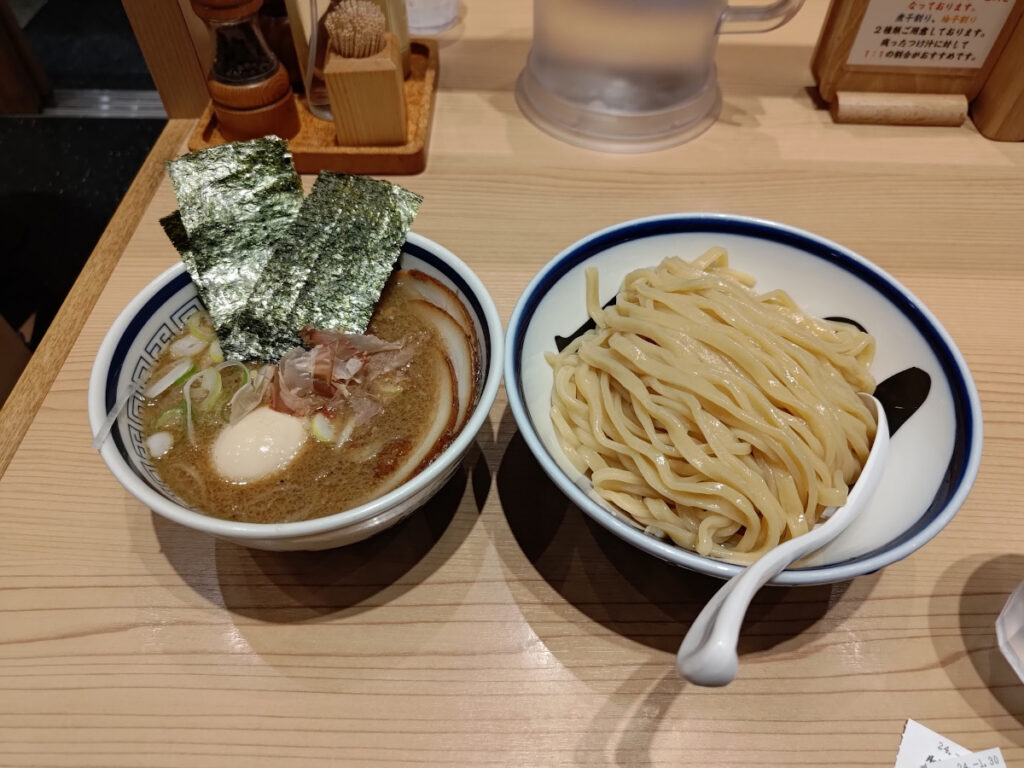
(258, 445)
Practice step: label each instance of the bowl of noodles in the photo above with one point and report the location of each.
(691, 382)
(405, 405)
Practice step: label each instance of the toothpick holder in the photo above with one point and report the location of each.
(368, 97)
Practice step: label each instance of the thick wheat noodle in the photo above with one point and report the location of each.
(720, 418)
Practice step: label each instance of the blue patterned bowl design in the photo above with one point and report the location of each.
(149, 323)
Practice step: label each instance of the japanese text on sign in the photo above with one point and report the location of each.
(929, 33)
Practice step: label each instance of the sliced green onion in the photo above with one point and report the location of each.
(188, 346)
(216, 353)
(346, 433)
(209, 382)
(236, 364)
(189, 428)
(322, 428)
(185, 376)
(178, 374)
(243, 383)
(200, 326)
(173, 417)
(159, 443)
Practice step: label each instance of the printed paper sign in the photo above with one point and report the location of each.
(928, 33)
(922, 747)
(990, 758)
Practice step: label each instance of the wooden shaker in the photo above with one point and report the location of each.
(368, 96)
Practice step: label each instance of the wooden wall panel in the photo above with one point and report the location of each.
(166, 39)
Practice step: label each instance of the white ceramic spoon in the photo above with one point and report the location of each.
(707, 655)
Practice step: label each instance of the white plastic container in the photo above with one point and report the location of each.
(1010, 631)
(631, 75)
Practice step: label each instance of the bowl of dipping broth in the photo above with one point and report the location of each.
(137, 353)
(667, 400)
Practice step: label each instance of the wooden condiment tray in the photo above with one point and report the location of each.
(315, 147)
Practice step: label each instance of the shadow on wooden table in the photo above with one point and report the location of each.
(304, 586)
(483, 65)
(628, 591)
(963, 630)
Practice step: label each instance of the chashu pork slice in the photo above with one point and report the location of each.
(440, 295)
(400, 464)
(459, 351)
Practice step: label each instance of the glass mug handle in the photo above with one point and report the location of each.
(758, 18)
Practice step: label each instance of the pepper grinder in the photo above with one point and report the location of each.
(251, 93)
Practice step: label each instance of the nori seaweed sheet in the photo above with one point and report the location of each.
(329, 269)
(235, 201)
(176, 233)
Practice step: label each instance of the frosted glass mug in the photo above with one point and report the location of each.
(631, 75)
(428, 17)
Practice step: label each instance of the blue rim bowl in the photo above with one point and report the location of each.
(934, 459)
(149, 323)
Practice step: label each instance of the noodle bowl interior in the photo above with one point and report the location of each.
(325, 429)
(720, 418)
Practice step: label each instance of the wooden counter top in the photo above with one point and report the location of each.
(498, 626)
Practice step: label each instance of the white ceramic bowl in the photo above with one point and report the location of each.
(934, 455)
(152, 319)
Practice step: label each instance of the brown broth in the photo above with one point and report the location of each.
(324, 478)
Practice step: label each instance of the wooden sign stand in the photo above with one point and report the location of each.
(998, 110)
(933, 57)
